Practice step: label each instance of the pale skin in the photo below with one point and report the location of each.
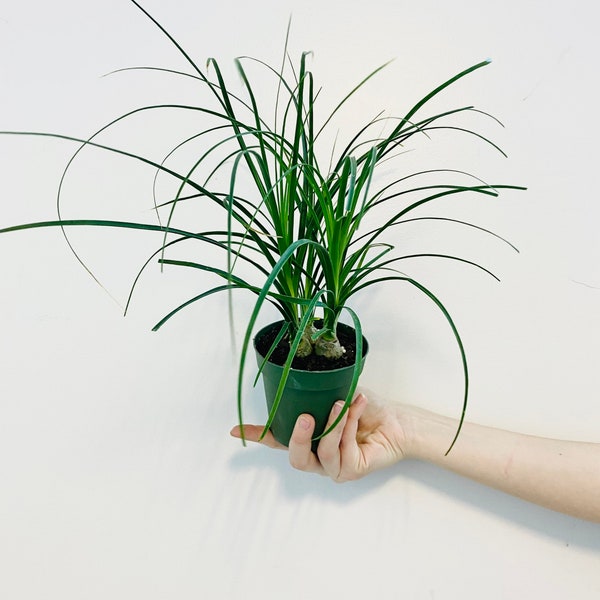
(561, 475)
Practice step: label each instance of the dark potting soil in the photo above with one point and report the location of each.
(312, 362)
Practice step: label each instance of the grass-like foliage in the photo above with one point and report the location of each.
(296, 219)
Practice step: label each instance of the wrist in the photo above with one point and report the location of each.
(427, 435)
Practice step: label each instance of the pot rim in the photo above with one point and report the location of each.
(274, 323)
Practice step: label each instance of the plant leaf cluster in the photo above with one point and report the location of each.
(302, 226)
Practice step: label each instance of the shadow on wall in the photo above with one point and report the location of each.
(295, 485)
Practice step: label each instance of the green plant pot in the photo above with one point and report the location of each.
(312, 392)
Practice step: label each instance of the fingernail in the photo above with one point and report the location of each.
(303, 423)
(337, 407)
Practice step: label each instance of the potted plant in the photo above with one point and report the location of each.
(302, 230)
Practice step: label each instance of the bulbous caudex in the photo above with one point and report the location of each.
(305, 348)
(327, 344)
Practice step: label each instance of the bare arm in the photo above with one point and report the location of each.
(560, 475)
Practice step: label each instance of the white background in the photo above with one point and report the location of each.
(118, 477)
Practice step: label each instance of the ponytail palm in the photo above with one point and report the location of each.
(300, 231)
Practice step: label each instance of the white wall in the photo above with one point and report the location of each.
(119, 479)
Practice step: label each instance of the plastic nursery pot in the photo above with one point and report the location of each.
(311, 392)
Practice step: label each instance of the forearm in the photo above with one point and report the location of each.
(560, 475)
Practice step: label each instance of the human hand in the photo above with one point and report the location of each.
(370, 436)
